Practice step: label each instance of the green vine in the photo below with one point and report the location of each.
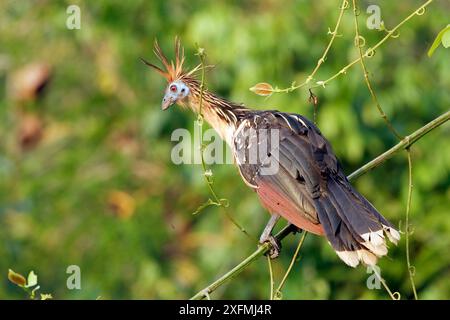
(207, 174)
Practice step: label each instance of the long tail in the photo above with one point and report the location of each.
(354, 228)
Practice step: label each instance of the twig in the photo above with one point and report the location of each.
(315, 101)
(371, 51)
(358, 37)
(343, 6)
(217, 201)
(395, 295)
(405, 143)
(358, 44)
(294, 257)
(411, 269)
(262, 249)
(269, 262)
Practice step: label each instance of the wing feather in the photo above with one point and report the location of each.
(311, 187)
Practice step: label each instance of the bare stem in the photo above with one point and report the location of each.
(395, 295)
(359, 45)
(217, 201)
(371, 51)
(403, 144)
(294, 257)
(344, 5)
(269, 262)
(411, 269)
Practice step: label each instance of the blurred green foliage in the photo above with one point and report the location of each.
(85, 170)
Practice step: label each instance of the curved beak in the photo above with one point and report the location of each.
(167, 102)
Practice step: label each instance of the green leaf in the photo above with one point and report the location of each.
(446, 38)
(32, 279)
(440, 39)
(205, 205)
(33, 292)
(16, 278)
(278, 295)
(46, 296)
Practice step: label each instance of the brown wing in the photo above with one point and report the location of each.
(309, 187)
(290, 189)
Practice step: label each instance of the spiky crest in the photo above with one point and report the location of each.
(171, 71)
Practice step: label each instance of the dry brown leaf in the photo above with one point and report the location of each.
(28, 82)
(121, 204)
(30, 131)
(17, 278)
(262, 89)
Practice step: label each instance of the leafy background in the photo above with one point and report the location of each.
(85, 170)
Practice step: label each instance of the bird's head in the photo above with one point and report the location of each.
(176, 91)
(179, 82)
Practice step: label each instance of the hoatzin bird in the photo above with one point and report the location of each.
(309, 188)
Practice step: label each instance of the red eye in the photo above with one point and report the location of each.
(173, 88)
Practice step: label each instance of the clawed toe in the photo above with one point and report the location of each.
(275, 249)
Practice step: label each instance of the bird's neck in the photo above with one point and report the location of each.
(221, 114)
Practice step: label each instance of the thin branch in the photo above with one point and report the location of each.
(334, 33)
(294, 257)
(217, 201)
(371, 51)
(405, 143)
(262, 249)
(393, 295)
(272, 283)
(359, 45)
(411, 269)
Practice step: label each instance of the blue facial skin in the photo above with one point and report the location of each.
(175, 91)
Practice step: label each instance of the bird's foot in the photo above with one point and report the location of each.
(275, 248)
(294, 229)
